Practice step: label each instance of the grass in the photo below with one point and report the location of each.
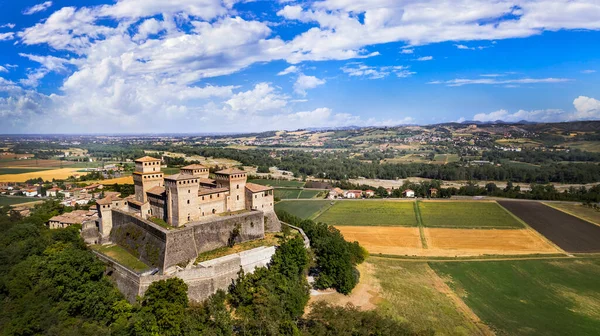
(370, 213)
(279, 183)
(284, 193)
(121, 255)
(170, 171)
(302, 209)
(160, 222)
(578, 210)
(309, 193)
(4, 171)
(530, 297)
(486, 215)
(271, 239)
(409, 295)
(16, 200)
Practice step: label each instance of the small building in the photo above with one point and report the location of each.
(369, 193)
(433, 192)
(53, 192)
(30, 192)
(351, 194)
(69, 218)
(335, 193)
(409, 193)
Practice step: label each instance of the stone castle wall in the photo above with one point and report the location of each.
(164, 248)
(203, 279)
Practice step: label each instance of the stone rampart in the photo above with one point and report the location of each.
(216, 233)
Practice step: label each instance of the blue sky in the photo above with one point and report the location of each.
(236, 66)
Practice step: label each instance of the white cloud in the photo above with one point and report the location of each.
(492, 81)
(3, 69)
(586, 108)
(305, 82)
(371, 72)
(288, 70)
(7, 36)
(37, 8)
(8, 25)
(262, 98)
(589, 71)
(424, 58)
(407, 51)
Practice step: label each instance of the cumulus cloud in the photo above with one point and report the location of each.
(305, 82)
(7, 36)
(407, 51)
(37, 8)
(8, 25)
(372, 72)
(586, 108)
(262, 98)
(3, 69)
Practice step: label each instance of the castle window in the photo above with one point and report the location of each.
(153, 169)
(189, 191)
(203, 198)
(214, 211)
(188, 201)
(238, 197)
(238, 186)
(188, 217)
(210, 196)
(255, 196)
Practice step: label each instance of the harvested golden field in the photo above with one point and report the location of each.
(384, 239)
(32, 163)
(46, 175)
(118, 180)
(465, 242)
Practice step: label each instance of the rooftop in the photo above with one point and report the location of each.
(156, 191)
(253, 187)
(230, 171)
(194, 166)
(208, 191)
(108, 200)
(146, 159)
(180, 177)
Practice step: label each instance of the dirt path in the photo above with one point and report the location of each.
(442, 287)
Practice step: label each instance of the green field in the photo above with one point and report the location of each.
(484, 215)
(302, 209)
(4, 171)
(530, 297)
(370, 213)
(310, 193)
(445, 158)
(279, 183)
(283, 193)
(16, 200)
(170, 171)
(409, 295)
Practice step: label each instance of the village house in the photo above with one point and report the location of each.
(75, 217)
(30, 192)
(433, 192)
(352, 194)
(52, 192)
(369, 193)
(408, 193)
(335, 193)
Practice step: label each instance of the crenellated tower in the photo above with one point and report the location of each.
(235, 180)
(182, 199)
(146, 176)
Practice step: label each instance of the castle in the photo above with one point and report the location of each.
(188, 197)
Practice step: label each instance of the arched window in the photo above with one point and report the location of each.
(214, 211)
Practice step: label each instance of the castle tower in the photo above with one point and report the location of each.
(182, 199)
(235, 180)
(146, 176)
(196, 170)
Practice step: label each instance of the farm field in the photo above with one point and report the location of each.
(568, 232)
(302, 209)
(412, 292)
(578, 210)
(310, 193)
(469, 242)
(384, 239)
(118, 180)
(529, 297)
(4, 171)
(279, 183)
(46, 175)
(467, 215)
(16, 200)
(445, 158)
(284, 193)
(370, 213)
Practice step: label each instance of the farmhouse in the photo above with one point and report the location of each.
(52, 192)
(408, 193)
(369, 193)
(353, 194)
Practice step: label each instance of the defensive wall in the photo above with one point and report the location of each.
(203, 279)
(164, 249)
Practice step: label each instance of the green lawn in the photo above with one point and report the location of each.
(409, 294)
(284, 193)
(5, 171)
(279, 183)
(302, 209)
(530, 297)
(16, 200)
(370, 213)
(485, 215)
(121, 255)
